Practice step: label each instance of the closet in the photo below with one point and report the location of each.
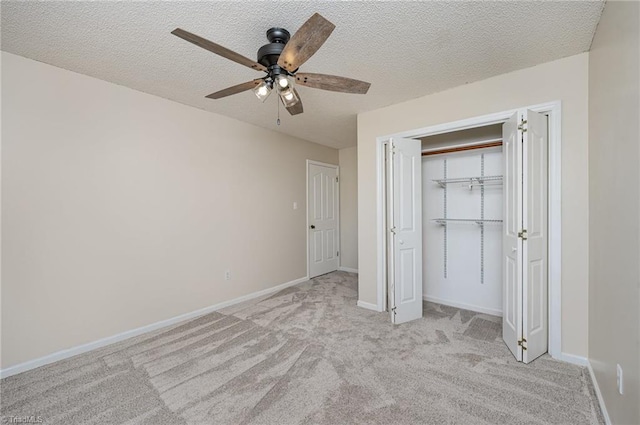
(462, 179)
(466, 225)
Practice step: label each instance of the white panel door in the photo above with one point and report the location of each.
(535, 313)
(512, 244)
(406, 230)
(322, 210)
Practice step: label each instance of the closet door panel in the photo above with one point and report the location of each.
(535, 303)
(406, 199)
(512, 244)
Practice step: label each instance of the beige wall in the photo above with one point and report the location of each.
(349, 207)
(121, 209)
(565, 80)
(614, 210)
(1, 345)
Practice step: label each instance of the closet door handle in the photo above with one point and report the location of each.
(401, 242)
(514, 249)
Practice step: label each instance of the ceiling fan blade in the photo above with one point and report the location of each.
(297, 108)
(332, 82)
(217, 49)
(235, 89)
(305, 42)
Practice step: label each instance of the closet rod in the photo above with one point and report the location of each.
(462, 148)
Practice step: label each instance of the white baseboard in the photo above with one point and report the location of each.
(573, 359)
(347, 269)
(490, 311)
(74, 351)
(583, 361)
(367, 305)
(607, 419)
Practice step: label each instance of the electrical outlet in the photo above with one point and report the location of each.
(619, 379)
(227, 275)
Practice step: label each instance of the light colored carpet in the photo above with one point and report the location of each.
(308, 355)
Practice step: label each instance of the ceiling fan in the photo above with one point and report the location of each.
(280, 60)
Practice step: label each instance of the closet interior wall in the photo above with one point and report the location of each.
(462, 221)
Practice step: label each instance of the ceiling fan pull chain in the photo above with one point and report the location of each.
(278, 102)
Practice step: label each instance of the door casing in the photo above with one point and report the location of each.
(554, 272)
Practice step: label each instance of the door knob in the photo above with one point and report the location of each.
(312, 226)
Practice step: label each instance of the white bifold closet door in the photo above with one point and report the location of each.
(405, 229)
(525, 311)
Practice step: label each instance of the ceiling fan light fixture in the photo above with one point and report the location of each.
(283, 81)
(280, 60)
(289, 97)
(262, 91)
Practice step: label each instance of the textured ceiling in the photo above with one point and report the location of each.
(405, 49)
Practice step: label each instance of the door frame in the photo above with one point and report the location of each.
(554, 214)
(306, 219)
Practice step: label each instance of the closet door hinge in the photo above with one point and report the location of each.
(337, 253)
(522, 126)
(336, 179)
(523, 343)
(523, 234)
(394, 310)
(393, 230)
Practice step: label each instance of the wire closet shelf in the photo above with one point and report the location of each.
(480, 222)
(470, 181)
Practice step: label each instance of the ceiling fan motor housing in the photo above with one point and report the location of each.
(269, 53)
